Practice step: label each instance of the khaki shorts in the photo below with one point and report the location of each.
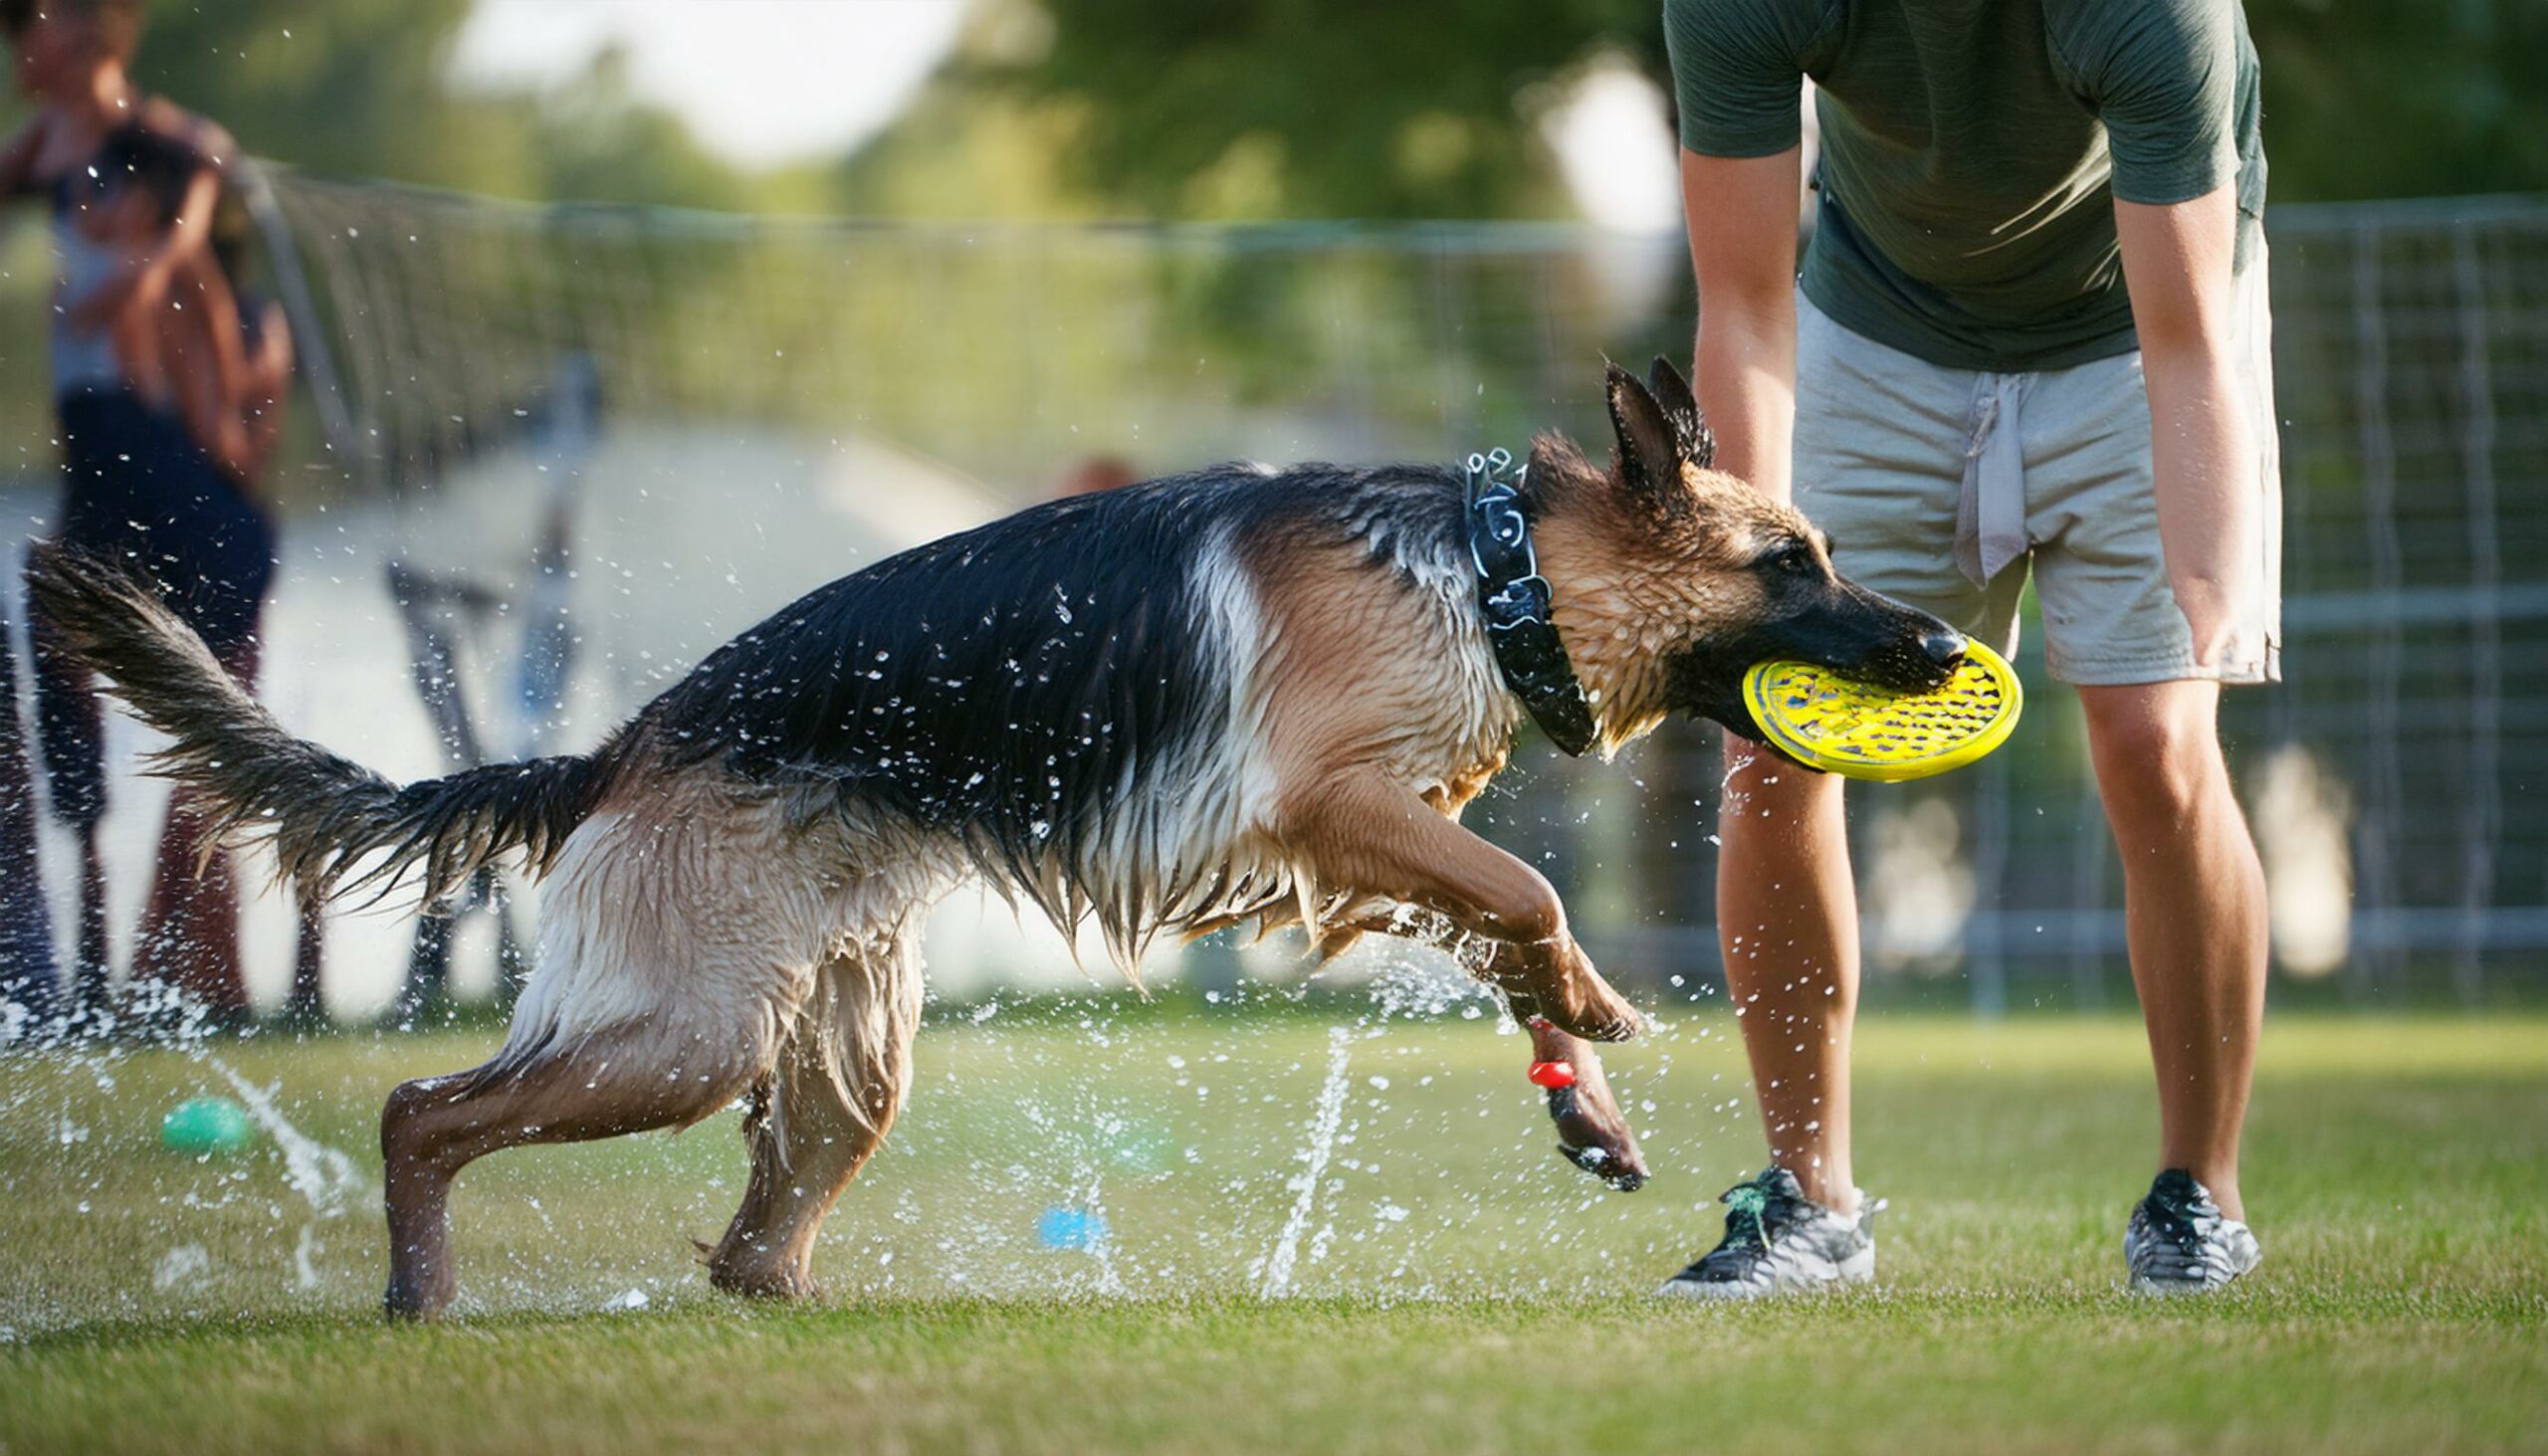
(1945, 488)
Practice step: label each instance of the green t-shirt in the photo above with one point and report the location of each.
(1973, 150)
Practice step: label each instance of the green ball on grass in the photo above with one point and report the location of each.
(202, 1125)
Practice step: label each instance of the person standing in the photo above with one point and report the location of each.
(147, 371)
(2030, 339)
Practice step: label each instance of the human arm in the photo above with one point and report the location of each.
(207, 363)
(1742, 224)
(1737, 70)
(144, 277)
(268, 377)
(2173, 81)
(2178, 267)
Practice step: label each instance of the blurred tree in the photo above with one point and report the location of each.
(361, 88)
(2390, 99)
(1430, 107)
(1298, 107)
(336, 86)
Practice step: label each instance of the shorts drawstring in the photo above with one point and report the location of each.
(1991, 516)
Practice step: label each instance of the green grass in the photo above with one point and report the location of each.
(1457, 1288)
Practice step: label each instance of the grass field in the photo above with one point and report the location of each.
(1451, 1286)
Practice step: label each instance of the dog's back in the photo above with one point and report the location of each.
(1072, 695)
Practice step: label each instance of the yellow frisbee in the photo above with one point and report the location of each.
(1860, 731)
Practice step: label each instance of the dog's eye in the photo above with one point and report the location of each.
(1796, 558)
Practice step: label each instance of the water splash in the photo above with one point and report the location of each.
(1324, 1123)
(1101, 1244)
(323, 1175)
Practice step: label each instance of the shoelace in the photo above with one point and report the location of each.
(1747, 1210)
(2183, 1215)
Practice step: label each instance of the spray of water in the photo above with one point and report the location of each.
(325, 1178)
(1328, 1116)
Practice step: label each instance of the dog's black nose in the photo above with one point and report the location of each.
(1945, 646)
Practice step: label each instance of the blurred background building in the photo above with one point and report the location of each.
(623, 321)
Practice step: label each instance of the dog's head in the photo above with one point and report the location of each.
(1672, 579)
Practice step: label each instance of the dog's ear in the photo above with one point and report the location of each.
(1650, 449)
(1690, 432)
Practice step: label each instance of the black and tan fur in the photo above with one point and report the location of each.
(1236, 695)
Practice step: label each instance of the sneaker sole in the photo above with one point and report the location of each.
(1859, 1267)
(2149, 1287)
(2143, 1284)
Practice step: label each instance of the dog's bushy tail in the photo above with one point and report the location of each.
(335, 826)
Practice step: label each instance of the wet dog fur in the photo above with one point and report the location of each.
(1238, 695)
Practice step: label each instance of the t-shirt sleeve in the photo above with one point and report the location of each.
(2163, 76)
(1737, 73)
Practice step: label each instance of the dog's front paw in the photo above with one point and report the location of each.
(1592, 1132)
(1625, 1174)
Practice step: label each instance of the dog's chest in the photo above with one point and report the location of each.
(1460, 734)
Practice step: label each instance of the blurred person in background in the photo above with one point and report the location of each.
(265, 360)
(2029, 338)
(152, 387)
(27, 980)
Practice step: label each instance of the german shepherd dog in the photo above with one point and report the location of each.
(1239, 693)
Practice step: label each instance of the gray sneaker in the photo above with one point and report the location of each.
(1778, 1241)
(2180, 1243)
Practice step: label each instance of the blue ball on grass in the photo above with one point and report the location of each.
(1071, 1228)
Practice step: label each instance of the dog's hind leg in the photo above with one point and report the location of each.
(618, 1081)
(678, 941)
(840, 1078)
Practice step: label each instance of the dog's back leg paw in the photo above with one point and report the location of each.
(838, 1082)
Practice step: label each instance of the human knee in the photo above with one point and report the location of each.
(2156, 762)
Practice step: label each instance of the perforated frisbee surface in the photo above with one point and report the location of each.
(1860, 731)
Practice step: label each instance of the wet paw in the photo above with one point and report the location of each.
(412, 1300)
(1600, 1165)
(1592, 1132)
(1600, 1144)
(763, 1281)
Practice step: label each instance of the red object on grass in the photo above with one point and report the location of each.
(1551, 1075)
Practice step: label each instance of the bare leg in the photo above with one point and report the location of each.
(1789, 917)
(309, 1004)
(90, 970)
(26, 929)
(628, 1082)
(2195, 914)
(189, 935)
(840, 1079)
(71, 730)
